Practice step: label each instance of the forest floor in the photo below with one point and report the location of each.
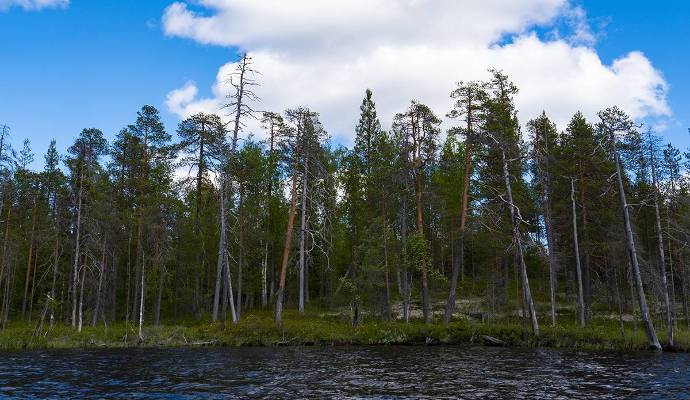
(260, 329)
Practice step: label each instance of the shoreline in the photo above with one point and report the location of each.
(257, 330)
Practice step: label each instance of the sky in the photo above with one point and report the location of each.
(66, 65)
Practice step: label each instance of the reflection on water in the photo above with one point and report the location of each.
(343, 372)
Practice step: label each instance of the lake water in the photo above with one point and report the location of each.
(343, 372)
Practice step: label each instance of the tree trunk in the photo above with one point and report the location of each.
(29, 263)
(222, 245)
(229, 286)
(227, 180)
(576, 249)
(662, 258)
(303, 229)
(197, 228)
(240, 264)
(551, 243)
(264, 272)
(223, 259)
(288, 241)
(458, 259)
(632, 254)
(426, 309)
(406, 289)
(101, 273)
(527, 293)
(56, 256)
(81, 299)
(141, 300)
(77, 242)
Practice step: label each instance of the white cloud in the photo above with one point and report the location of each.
(325, 54)
(33, 5)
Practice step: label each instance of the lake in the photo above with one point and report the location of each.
(343, 372)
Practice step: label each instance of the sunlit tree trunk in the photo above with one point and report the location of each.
(288, 238)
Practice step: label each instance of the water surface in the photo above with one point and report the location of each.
(343, 372)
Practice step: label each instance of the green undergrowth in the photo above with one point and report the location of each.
(259, 329)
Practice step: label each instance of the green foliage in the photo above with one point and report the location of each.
(147, 209)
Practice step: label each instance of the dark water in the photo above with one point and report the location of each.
(344, 372)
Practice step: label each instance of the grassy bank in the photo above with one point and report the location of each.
(259, 329)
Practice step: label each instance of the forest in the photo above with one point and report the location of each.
(495, 219)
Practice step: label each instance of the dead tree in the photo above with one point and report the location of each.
(660, 242)
(614, 121)
(516, 219)
(241, 80)
(576, 250)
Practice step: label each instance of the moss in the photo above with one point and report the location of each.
(259, 329)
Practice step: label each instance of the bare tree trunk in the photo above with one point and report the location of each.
(27, 278)
(517, 236)
(77, 242)
(672, 273)
(426, 310)
(7, 299)
(222, 245)
(229, 286)
(240, 265)
(267, 235)
(81, 298)
(141, 300)
(551, 242)
(239, 109)
(56, 256)
(303, 229)
(264, 272)
(101, 272)
(129, 278)
(288, 241)
(632, 254)
(576, 249)
(223, 260)
(406, 289)
(197, 228)
(662, 257)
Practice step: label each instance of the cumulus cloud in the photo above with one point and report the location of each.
(33, 5)
(325, 54)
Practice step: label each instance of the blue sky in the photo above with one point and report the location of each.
(660, 29)
(95, 63)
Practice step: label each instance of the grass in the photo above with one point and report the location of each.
(259, 329)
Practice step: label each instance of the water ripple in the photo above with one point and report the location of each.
(343, 372)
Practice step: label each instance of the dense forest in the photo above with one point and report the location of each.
(492, 219)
